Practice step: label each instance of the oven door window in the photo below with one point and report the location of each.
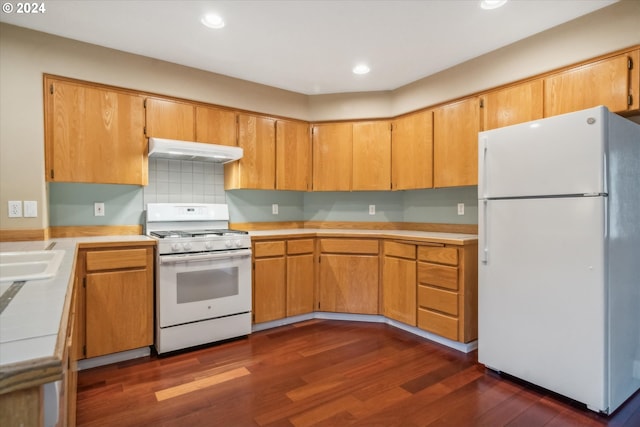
(206, 285)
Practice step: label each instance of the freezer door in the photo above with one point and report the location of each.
(554, 156)
(542, 294)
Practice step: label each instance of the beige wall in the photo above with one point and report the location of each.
(25, 55)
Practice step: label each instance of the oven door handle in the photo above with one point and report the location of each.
(174, 259)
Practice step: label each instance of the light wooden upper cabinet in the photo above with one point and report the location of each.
(371, 155)
(293, 156)
(608, 82)
(412, 151)
(170, 119)
(215, 126)
(257, 167)
(455, 139)
(93, 135)
(513, 105)
(332, 156)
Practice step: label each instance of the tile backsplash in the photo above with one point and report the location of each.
(184, 181)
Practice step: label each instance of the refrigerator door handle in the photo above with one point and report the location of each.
(483, 143)
(484, 235)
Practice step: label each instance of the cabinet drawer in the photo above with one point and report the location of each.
(295, 247)
(121, 258)
(349, 246)
(265, 249)
(448, 256)
(438, 275)
(400, 250)
(437, 323)
(438, 299)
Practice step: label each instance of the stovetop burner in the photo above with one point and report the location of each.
(162, 234)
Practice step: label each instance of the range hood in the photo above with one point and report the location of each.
(186, 150)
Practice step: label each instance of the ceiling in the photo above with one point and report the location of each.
(306, 46)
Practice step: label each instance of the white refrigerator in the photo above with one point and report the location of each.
(559, 255)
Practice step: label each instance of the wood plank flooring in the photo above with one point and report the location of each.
(323, 373)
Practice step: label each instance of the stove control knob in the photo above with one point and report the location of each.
(187, 246)
(176, 247)
(227, 243)
(238, 243)
(208, 245)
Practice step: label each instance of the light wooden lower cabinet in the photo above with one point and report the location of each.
(399, 282)
(432, 286)
(115, 300)
(349, 275)
(447, 295)
(283, 278)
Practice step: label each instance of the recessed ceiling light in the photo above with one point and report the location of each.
(361, 69)
(492, 4)
(212, 20)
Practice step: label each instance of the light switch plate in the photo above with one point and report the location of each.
(30, 208)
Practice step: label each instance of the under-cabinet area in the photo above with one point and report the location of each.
(429, 283)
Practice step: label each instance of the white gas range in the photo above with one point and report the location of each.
(203, 275)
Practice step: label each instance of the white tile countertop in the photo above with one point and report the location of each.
(30, 323)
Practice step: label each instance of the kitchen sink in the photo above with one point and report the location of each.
(29, 265)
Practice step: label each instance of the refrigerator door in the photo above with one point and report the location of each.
(542, 293)
(554, 156)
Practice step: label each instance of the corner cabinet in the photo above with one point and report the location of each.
(348, 275)
(93, 134)
(455, 144)
(115, 302)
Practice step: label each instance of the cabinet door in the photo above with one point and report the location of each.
(456, 128)
(332, 156)
(94, 135)
(300, 281)
(371, 156)
(513, 105)
(269, 289)
(118, 306)
(412, 151)
(349, 283)
(604, 82)
(215, 126)
(293, 156)
(257, 167)
(399, 289)
(170, 119)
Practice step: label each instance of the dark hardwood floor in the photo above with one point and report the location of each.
(323, 373)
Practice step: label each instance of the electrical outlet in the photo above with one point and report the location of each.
(372, 209)
(98, 209)
(30, 208)
(15, 209)
(274, 209)
(460, 208)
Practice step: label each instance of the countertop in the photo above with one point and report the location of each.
(409, 235)
(30, 324)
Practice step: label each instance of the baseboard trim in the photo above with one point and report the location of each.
(462, 347)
